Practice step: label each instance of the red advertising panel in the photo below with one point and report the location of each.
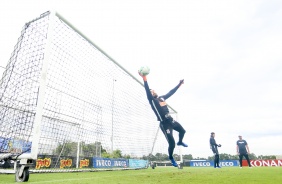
(263, 163)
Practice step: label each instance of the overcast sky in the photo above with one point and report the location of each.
(228, 52)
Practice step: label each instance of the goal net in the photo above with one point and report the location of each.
(64, 101)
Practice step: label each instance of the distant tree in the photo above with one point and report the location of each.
(92, 149)
(266, 157)
(116, 154)
(210, 157)
(224, 156)
(161, 157)
(144, 157)
(66, 149)
(126, 156)
(158, 156)
(234, 157)
(200, 158)
(252, 156)
(69, 148)
(106, 155)
(187, 157)
(151, 157)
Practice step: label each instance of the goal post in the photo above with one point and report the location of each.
(64, 101)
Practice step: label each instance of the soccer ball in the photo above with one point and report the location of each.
(144, 70)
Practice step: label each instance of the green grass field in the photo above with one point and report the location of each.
(161, 175)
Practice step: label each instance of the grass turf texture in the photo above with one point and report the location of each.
(161, 175)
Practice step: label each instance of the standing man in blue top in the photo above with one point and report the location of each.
(167, 123)
(214, 149)
(243, 150)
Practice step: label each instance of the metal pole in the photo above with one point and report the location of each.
(36, 132)
(79, 137)
(77, 154)
(113, 100)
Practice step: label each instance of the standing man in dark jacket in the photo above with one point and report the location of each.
(214, 149)
(243, 150)
(167, 123)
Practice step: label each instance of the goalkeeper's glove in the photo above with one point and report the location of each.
(181, 81)
(143, 76)
(219, 145)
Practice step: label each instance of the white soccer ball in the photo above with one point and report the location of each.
(144, 70)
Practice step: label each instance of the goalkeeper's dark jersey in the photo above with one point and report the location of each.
(158, 104)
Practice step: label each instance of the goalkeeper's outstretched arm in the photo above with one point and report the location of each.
(148, 92)
(171, 92)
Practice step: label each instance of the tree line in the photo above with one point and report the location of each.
(86, 150)
(96, 150)
(222, 156)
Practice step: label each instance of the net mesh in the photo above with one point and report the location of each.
(91, 104)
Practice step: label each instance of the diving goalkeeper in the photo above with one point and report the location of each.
(167, 123)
